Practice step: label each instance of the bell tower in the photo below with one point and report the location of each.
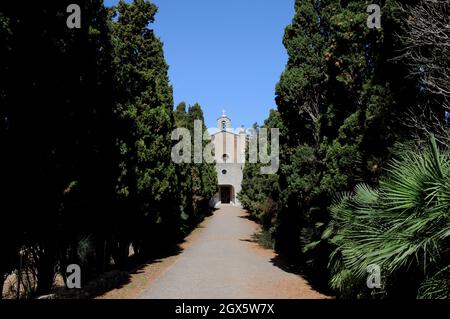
(224, 122)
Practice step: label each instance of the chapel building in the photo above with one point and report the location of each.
(230, 160)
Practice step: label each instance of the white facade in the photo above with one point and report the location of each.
(230, 160)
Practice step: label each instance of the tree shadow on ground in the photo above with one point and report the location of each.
(156, 257)
(253, 239)
(249, 217)
(295, 265)
(290, 264)
(116, 279)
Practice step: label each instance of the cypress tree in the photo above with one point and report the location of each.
(55, 111)
(198, 180)
(146, 183)
(342, 100)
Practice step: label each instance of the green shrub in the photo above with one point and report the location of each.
(403, 226)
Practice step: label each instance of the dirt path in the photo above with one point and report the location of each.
(220, 260)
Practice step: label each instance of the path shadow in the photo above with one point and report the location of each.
(254, 239)
(288, 265)
(249, 217)
(115, 279)
(292, 264)
(295, 265)
(157, 257)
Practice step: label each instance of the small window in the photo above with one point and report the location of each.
(224, 125)
(224, 172)
(225, 158)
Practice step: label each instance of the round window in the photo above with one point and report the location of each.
(224, 172)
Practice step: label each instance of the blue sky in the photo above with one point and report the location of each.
(224, 54)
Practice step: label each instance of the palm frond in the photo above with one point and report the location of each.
(403, 226)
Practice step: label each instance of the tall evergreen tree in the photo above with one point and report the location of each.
(147, 183)
(260, 193)
(341, 99)
(198, 180)
(55, 110)
(86, 117)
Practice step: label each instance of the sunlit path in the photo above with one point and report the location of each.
(223, 261)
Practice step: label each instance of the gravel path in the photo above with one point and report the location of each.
(222, 261)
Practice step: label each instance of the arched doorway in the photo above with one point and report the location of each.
(226, 194)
